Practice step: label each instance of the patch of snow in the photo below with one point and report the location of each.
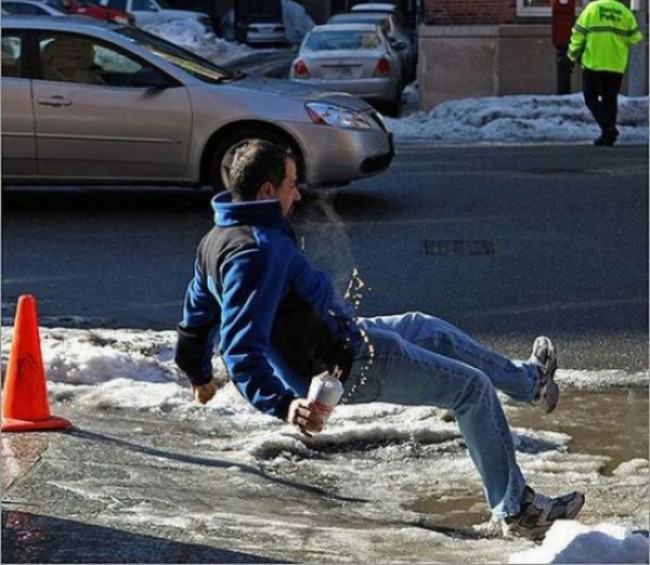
(193, 36)
(523, 118)
(633, 467)
(572, 542)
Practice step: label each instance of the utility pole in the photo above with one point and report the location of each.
(638, 72)
(562, 18)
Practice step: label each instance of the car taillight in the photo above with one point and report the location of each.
(383, 68)
(300, 69)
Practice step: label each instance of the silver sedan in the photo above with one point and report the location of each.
(397, 34)
(84, 101)
(354, 58)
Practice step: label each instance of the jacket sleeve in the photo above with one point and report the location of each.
(252, 288)
(634, 34)
(197, 331)
(579, 36)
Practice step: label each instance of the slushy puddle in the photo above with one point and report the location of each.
(612, 423)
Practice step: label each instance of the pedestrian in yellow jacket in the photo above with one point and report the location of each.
(601, 40)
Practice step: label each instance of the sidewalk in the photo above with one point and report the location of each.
(125, 486)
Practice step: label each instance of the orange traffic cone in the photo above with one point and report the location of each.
(25, 407)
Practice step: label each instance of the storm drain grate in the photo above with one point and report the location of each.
(452, 247)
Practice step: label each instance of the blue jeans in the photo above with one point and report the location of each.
(418, 359)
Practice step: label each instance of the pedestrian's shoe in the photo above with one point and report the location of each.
(538, 512)
(545, 357)
(607, 138)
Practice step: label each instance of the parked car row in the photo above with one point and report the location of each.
(85, 101)
(67, 7)
(367, 52)
(133, 12)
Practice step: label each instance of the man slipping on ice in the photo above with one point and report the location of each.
(278, 322)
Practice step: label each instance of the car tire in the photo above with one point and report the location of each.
(222, 154)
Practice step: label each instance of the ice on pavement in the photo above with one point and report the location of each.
(380, 452)
(572, 542)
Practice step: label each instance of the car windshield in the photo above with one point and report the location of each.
(345, 39)
(189, 62)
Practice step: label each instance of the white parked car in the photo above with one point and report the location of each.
(265, 33)
(353, 58)
(148, 12)
(397, 34)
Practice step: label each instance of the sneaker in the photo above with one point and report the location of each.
(545, 357)
(538, 512)
(607, 138)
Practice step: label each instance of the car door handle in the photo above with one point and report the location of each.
(56, 101)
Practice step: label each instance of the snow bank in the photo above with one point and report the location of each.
(524, 118)
(572, 542)
(192, 35)
(96, 356)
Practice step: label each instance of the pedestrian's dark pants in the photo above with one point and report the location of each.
(601, 90)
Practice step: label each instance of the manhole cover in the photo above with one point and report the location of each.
(451, 247)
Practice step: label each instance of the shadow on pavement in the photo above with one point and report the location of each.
(33, 538)
(222, 464)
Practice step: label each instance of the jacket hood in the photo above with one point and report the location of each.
(267, 213)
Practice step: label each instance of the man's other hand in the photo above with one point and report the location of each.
(204, 393)
(308, 419)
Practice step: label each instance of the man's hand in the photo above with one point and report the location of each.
(308, 419)
(204, 393)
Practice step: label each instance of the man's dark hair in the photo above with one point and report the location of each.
(254, 164)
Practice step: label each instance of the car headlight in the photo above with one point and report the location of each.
(336, 116)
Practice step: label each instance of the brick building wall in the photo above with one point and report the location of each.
(470, 12)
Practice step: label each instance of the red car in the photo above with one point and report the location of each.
(85, 8)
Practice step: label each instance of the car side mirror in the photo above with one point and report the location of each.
(148, 77)
(398, 45)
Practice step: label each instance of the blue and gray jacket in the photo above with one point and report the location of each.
(277, 320)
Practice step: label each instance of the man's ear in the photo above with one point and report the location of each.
(266, 192)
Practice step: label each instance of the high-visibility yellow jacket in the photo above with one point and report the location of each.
(602, 36)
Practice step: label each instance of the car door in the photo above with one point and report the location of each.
(97, 119)
(18, 133)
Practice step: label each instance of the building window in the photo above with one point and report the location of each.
(534, 8)
(541, 8)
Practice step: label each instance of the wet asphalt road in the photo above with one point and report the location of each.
(507, 242)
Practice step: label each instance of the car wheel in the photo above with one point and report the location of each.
(223, 153)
